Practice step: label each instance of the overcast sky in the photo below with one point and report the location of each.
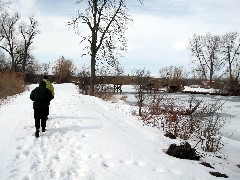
(157, 37)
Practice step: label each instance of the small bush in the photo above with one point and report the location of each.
(186, 119)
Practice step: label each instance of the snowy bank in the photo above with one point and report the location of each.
(87, 138)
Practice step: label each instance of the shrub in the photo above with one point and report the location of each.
(189, 118)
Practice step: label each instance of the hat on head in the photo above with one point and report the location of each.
(42, 83)
(45, 77)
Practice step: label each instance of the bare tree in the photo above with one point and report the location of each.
(231, 55)
(17, 39)
(28, 33)
(205, 53)
(3, 5)
(8, 36)
(107, 22)
(44, 68)
(173, 72)
(141, 77)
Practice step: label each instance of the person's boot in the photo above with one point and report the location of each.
(43, 129)
(37, 133)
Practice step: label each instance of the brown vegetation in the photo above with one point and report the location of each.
(11, 83)
(104, 92)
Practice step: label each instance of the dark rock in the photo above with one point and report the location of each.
(238, 165)
(183, 151)
(218, 174)
(207, 165)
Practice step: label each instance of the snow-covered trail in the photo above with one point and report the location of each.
(86, 138)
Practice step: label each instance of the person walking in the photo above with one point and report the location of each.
(50, 87)
(41, 97)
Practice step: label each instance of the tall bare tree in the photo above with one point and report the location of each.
(28, 33)
(8, 36)
(231, 55)
(107, 22)
(205, 53)
(141, 78)
(17, 38)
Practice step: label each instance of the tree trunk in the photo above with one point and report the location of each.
(13, 63)
(93, 48)
(211, 74)
(230, 72)
(93, 76)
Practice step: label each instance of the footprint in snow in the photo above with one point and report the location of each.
(84, 136)
(139, 163)
(126, 162)
(57, 156)
(18, 156)
(20, 138)
(29, 127)
(107, 164)
(161, 170)
(19, 147)
(92, 156)
(26, 153)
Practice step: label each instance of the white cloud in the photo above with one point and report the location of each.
(56, 40)
(27, 4)
(158, 36)
(180, 45)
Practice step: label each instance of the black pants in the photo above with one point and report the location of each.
(48, 111)
(40, 116)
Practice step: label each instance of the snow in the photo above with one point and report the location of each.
(196, 88)
(90, 139)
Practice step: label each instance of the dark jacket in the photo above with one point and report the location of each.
(41, 96)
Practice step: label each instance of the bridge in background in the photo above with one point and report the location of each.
(151, 84)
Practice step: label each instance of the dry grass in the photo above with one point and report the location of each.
(104, 92)
(124, 98)
(11, 83)
(106, 96)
